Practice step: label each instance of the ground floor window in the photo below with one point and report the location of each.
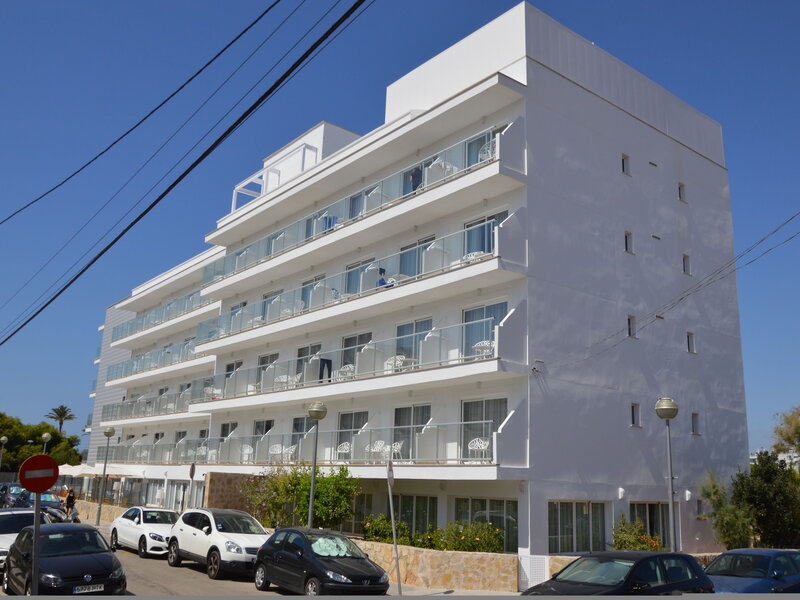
(500, 513)
(576, 527)
(655, 516)
(362, 506)
(418, 512)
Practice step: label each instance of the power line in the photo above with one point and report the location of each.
(722, 272)
(144, 118)
(27, 310)
(139, 170)
(205, 154)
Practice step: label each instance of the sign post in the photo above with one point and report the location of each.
(37, 474)
(390, 482)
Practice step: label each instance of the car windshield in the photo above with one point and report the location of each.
(49, 497)
(739, 565)
(160, 516)
(334, 545)
(14, 489)
(238, 524)
(13, 523)
(63, 543)
(596, 570)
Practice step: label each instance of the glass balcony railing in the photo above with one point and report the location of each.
(435, 348)
(151, 318)
(411, 180)
(162, 357)
(148, 406)
(469, 442)
(406, 266)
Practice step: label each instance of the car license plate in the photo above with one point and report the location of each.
(86, 589)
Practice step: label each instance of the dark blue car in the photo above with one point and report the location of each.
(756, 570)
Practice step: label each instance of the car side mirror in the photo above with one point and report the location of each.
(777, 574)
(136, 520)
(207, 530)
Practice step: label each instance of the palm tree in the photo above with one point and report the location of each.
(61, 413)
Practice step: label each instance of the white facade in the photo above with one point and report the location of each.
(458, 287)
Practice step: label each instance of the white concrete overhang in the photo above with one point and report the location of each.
(436, 286)
(202, 364)
(422, 379)
(369, 154)
(179, 323)
(486, 181)
(405, 472)
(183, 276)
(180, 416)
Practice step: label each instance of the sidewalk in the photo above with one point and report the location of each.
(408, 590)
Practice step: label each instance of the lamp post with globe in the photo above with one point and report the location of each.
(667, 409)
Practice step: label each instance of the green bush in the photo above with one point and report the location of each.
(279, 498)
(456, 536)
(632, 536)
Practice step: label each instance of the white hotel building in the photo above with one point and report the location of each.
(470, 289)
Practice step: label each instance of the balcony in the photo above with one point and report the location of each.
(172, 317)
(436, 358)
(148, 406)
(433, 443)
(403, 185)
(173, 359)
(337, 292)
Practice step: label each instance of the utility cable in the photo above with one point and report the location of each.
(205, 154)
(30, 306)
(135, 173)
(144, 118)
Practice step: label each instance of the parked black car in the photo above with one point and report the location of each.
(74, 559)
(315, 561)
(9, 493)
(623, 572)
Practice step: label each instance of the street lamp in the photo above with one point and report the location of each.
(109, 433)
(316, 411)
(3, 442)
(46, 437)
(667, 409)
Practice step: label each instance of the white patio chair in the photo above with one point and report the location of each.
(479, 448)
(343, 451)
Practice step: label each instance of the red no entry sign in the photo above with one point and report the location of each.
(38, 473)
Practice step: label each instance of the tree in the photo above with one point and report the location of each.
(279, 498)
(771, 491)
(787, 432)
(733, 524)
(26, 440)
(60, 414)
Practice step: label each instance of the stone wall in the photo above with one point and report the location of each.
(224, 490)
(452, 570)
(87, 511)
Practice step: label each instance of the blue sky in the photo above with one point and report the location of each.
(76, 74)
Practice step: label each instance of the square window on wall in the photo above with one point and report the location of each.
(695, 423)
(682, 193)
(631, 326)
(629, 242)
(691, 346)
(626, 164)
(687, 265)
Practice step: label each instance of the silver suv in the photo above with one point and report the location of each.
(222, 539)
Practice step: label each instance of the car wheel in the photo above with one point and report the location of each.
(260, 578)
(143, 547)
(214, 565)
(114, 539)
(173, 554)
(312, 587)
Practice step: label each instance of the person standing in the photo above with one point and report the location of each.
(69, 501)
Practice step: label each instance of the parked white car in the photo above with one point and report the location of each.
(222, 540)
(145, 529)
(12, 520)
